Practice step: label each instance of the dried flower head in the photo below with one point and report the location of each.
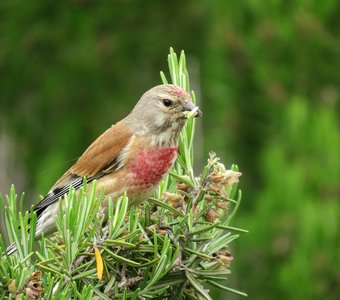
(222, 204)
(212, 215)
(36, 276)
(160, 230)
(220, 180)
(33, 290)
(182, 186)
(227, 177)
(213, 159)
(208, 197)
(214, 188)
(175, 200)
(224, 259)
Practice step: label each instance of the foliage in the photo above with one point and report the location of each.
(176, 244)
(302, 178)
(262, 69)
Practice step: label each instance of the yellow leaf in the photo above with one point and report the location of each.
(99, 263)
(12, 286)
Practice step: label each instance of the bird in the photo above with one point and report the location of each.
(132, 156)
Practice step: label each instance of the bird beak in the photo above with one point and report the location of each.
(189, 106)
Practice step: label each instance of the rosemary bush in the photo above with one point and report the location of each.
(174, 245)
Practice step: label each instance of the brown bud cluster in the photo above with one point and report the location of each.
(214, 188)
(218, 185)
(218, 178)
(175, 200)
(32, 289)
(224, 258)
(183, 186)
(212, 215)
(161, 231)
(222, 204)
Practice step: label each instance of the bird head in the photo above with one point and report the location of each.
(162, 109)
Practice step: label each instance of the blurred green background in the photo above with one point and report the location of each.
(267, 74)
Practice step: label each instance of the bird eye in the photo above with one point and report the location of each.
(167, 102)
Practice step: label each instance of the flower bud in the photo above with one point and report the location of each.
(208, 197)
(231, 177)
(33, 290)
(36, 276)
(222, 204)
(175, 200)
(214, 188)
(182, 186)
(212, 215)
(224, 259)
(217, 178)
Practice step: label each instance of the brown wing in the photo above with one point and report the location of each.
(101, 157)
(103, 151)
